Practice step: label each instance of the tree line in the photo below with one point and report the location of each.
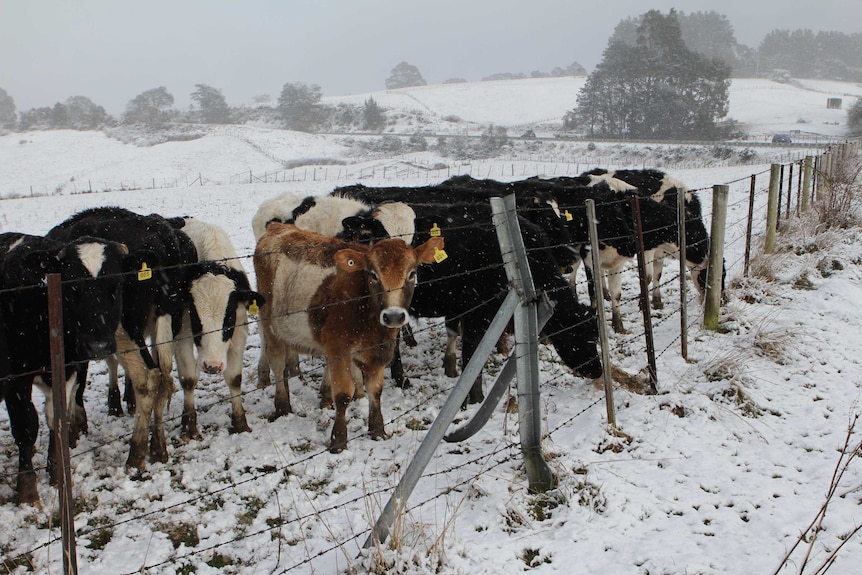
(661, 76)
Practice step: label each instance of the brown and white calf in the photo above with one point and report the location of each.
(346, 218)
(344, 301)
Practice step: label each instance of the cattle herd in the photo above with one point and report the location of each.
(336, 276)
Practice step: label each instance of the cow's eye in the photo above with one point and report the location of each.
(411, 277)
(374, 276)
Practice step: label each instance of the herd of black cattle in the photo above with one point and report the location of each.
(132, 283)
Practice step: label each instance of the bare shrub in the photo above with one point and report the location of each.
(839, 197)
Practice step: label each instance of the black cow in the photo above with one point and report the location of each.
(157, 294)
(90, 270)
(535, 203)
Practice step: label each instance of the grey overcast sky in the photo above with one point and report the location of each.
(112, 50)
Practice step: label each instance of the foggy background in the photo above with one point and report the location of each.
(110, 51)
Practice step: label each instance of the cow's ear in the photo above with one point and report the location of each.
(248, 296)
(427, 251)
(355, 229)
(134, 261)
(350, 260)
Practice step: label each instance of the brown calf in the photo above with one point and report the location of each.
(344, 301)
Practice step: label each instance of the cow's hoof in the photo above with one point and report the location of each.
(239, 425)
(28, 494)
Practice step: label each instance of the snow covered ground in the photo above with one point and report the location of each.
(721, 472)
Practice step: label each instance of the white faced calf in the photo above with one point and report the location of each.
(216, 323)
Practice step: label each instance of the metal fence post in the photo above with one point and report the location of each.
(526, 342)
(749, 226)
(645, 305)
(61, 423)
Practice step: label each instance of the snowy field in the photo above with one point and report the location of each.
(721, 472)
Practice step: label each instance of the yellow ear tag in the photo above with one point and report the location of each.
(568, 215)
(439, 255)
(253, 309)
(144, 273)
(435, 231)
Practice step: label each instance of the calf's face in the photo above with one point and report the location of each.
(217, 308)
(390, 270)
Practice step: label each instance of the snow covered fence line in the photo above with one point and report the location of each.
(736, 223)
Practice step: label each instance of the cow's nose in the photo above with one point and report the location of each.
(213, 368)
(393, 317)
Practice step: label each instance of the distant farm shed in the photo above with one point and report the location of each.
(833, 103)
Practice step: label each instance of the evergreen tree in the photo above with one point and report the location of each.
(372, 116)
(213, 107)
(8, 118)
(804, 54)
(299, 106)
(654, 89)
(404, 75)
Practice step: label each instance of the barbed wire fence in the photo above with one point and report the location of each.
(747, 214)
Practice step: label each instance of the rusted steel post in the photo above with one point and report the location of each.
(61, 423)
(645, 306)
(748, 228)
(780, 195)
(789, 190)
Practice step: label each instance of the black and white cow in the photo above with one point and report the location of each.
(163, 256)
(665, 189)
(617, 230)
(215, 323)
(535, 203)
(337, 217)
(91, 273)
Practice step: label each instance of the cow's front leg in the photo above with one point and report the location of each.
(374, 389)
(342, 395)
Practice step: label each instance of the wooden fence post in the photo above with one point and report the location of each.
(716, 257)
(772, 209)
(683, 283)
